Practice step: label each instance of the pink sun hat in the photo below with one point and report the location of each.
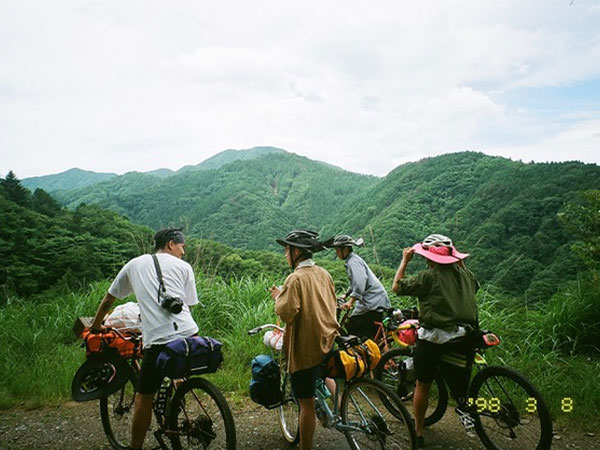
(440, 255)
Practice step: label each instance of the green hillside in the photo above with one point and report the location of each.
(229, 156)
(76, 178)
(70, 179)
(245, 204)
(43, 245)
(503, 212)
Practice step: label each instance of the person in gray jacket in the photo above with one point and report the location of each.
(366, 293)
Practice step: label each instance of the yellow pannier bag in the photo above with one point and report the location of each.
(353, 362)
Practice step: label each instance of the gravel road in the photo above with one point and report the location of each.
(76, 426)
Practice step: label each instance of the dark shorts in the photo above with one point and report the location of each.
(456, 360)
(363, 325)
(304, 382)
(150, 377)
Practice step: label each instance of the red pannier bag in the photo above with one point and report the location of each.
(99, 342)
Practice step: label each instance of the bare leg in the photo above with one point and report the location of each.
(307, 422)
(420, 402)
(142, 416)
(330, 383)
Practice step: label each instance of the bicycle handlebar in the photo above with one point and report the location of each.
(266, 326)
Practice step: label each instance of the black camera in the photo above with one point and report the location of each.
(172, 304)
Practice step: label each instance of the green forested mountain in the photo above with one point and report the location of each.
(70, 179)
(504, 212)
(229, 156)
(42, 244)
(245, 204)
(501, 211)
(77, 178)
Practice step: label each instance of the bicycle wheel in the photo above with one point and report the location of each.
(370, 422)
(116, 413)
(289, 412)
(390, 371)
(508, 411)
(199, 417)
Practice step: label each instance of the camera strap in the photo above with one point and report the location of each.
(161, 284)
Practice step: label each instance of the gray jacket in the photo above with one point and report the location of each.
(366, 288)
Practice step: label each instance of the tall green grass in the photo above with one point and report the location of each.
(40, 354)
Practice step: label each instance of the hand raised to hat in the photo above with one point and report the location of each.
(407, 253)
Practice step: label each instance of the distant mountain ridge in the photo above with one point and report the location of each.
(71, 179)
(501, 211)
(77, 178)
(229, 156)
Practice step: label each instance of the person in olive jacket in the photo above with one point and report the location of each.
(447, 312)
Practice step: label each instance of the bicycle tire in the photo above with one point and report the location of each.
(199, 417)
(371, 423)
(389, 371)
(116, 414)
(516, 415)
(289, 413)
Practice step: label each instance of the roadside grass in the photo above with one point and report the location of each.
(40, 353)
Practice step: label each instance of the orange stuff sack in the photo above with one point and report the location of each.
(100, 342)
(353, 362)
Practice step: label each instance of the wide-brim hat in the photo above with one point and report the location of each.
(440, 255)
(100, 375)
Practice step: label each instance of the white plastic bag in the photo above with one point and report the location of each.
(125, 317)
(273, 339)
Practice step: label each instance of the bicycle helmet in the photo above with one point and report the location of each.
(343, 240)
(304, 239)
(436, 240)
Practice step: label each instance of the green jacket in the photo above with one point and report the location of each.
(446, 295)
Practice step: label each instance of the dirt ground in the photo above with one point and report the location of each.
(76, 426)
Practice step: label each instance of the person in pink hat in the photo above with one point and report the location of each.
(447, 313)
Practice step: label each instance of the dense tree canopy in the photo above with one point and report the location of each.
(41, 244)
(504, 213)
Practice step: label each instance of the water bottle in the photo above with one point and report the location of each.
(322, 388)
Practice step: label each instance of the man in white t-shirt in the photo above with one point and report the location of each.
(161, 323)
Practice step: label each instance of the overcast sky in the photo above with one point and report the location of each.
(116, 86)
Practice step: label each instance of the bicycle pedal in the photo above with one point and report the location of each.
(466, 421)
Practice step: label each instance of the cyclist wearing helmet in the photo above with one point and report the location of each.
(307, 304)
(365, 289)
(447, 311)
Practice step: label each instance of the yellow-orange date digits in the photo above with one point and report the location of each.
(531, 405)
(566, 404)
(481, 404)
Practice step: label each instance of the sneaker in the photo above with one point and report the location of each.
(421, 442)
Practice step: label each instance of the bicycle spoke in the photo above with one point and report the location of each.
(509, 413)
(372, 423)
(199, 418)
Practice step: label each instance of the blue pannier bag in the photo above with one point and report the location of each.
(190, 356)
(265, 384)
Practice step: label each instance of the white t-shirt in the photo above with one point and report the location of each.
(138, 277)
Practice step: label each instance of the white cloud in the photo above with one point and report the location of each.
(137, 85)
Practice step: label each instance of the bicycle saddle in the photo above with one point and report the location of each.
(347, 341)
